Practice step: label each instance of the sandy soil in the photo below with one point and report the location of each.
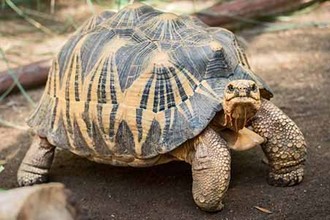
(296, 65)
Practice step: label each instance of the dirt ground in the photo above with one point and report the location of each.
(295, 63)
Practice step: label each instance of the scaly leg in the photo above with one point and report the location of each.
(210, 170)
(285, 147)
(35, 166)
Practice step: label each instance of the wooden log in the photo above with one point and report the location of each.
(231, 14)
(47, 201)
(30, 76)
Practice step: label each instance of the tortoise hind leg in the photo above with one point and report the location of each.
(211, 170)
(285, 146)
(35, 166)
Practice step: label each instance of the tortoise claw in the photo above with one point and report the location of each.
(286, 179)
(28, 179)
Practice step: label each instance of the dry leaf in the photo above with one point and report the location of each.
(263, 209)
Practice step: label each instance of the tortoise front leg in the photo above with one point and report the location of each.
(285, 146)
(36, 163)
(210, 170)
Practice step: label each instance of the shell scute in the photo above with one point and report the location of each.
(164, 27)
(91, 48)
(131, 16)
(130, 61)
(94, 22)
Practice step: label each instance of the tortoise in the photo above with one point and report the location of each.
(141, 87)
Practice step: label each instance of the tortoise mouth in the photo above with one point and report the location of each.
(243, 99)
(239, 110)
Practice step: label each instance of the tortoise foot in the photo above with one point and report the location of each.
(291, 178)
(209, 208)
(26, 178)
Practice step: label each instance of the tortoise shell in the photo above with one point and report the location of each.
(138, 83)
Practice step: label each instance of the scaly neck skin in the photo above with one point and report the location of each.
(222, 121)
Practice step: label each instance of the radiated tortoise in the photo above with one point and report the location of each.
(141, 87)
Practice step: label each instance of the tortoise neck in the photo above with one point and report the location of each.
(222, 121)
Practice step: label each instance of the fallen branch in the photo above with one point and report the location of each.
(29, 76)
(235, 13)
(46, 201)
(15, 81)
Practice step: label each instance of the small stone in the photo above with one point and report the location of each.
(290, 144)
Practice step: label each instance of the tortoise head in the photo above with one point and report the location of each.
(241, 102)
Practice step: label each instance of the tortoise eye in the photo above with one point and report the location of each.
(230, 88)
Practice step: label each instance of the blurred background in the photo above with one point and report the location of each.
(288, 45)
